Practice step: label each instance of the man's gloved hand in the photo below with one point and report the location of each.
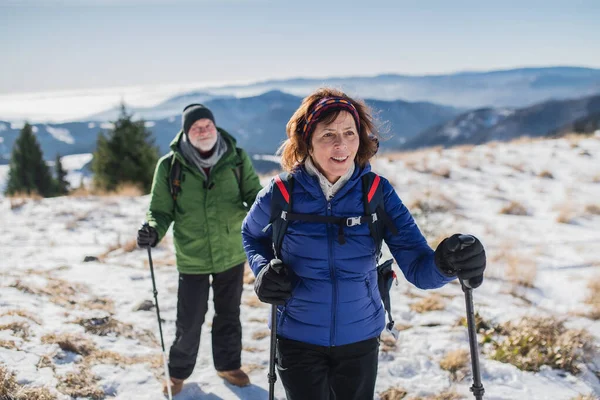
(463, 256)
(147, 236)
(272, 285)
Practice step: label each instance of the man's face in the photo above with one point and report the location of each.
(203, 134)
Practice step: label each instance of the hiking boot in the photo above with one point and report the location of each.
(236, 377)
(176, 386)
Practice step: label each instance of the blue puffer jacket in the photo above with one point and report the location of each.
(335, 299)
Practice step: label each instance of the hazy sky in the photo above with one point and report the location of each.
(73, 44)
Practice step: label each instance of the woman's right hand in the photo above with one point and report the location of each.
(272, 285)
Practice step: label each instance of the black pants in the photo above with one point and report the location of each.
(192, 304)
(315, 372)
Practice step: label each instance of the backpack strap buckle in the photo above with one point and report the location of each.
(284, 215)
(374, 217)
(352, 221)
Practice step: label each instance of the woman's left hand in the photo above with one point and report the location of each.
(463, 256)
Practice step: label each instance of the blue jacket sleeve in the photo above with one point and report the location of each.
(410, 249)
(258, 244)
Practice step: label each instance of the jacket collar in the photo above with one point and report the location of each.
(311, 184)
(228, 156)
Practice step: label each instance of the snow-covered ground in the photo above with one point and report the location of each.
(43, 244)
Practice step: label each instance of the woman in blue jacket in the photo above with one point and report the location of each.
(324, 280)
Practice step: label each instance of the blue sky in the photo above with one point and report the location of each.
(74, 44)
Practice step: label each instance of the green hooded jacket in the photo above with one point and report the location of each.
(206, 222)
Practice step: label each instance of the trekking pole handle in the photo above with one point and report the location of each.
(277, 265)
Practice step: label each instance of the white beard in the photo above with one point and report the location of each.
(204, 145)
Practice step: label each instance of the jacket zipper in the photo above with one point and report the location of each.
(368, 283)
(334, 280)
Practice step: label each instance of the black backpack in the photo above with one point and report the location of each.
(375, 216)
(176, 174)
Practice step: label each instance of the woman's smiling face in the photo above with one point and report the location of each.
(334, 146)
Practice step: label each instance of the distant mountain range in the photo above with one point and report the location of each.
(503, 124)
(257, 122)
(503, 88)
(497, 105)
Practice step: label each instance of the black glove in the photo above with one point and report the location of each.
(462, 256)
(272, 285)
(147, 236)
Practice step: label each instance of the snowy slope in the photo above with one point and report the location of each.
(43, 244)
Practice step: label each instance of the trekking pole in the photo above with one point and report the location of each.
(162, 342)
(272, 377)
(477, 388)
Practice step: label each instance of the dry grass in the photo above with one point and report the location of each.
(74, 343)
(249, 368)
(127, 247)
(110, 357)
(457, 363)
(74, 223)
(250, 349)
(10, 389)
(249, 277)
(593, 298)
(66, 294)
(433, 302)
(46, 361)
(259, 335)
(521, 270)
(18, 200)
(23, 314)
(259, 320)
(567, 212)
(593, 209)
(446, 395)
(98, 303)
(388, 343)
(18, 328)
(23, 287)
(518, 167)
(253, 301)
(432, 202)
(8, 344)
(402, 327)
(81, 384)
(108, 326)
(442, 172)
(80, 344)
(546, 174)
(393, 393)
(481, 325)
(585, 397)
(536, 341)
(125, 190)
(514, 208)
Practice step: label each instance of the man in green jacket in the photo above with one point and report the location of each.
(215, 187)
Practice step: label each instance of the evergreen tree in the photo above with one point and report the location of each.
(62, 185)
(125, 155)
(28, 173)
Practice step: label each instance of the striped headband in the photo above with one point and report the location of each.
(324, 105)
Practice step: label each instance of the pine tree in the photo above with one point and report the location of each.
(28, 173)
(125, 155)
(62, 185)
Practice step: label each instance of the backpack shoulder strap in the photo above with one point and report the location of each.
(372, 198)
(374, 205)
(281, 204)
(238, 169)
(175, 177)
